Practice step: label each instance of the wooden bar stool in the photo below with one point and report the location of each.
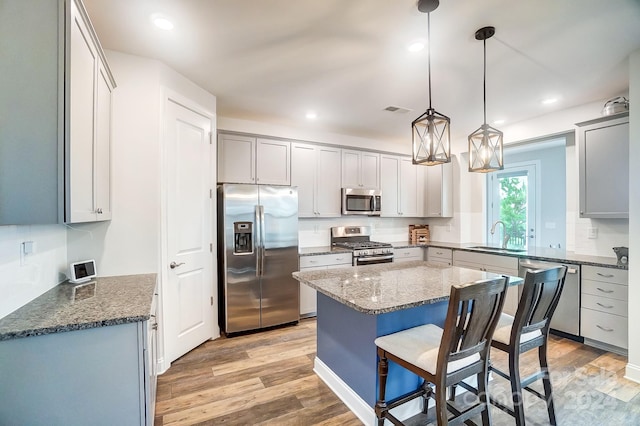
(446, 357)
(528, 330)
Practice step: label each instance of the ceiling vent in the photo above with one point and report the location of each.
(397, 109)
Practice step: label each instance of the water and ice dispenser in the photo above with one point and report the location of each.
(243, 237)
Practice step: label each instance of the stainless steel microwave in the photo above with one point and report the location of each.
(361, 201)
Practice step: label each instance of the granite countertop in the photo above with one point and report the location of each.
(99, 303)
(389, 287)
(314, 251)
(540, 253)
(534, 253)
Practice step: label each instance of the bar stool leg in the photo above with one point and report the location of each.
(546, 382)
(482, 394)
(381, 405)
(516, 387)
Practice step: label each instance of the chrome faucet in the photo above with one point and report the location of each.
(506, 237)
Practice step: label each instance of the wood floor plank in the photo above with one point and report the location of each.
(277, 349)
(221, 407)
(236, 366)
(258, 413)
(196, 399)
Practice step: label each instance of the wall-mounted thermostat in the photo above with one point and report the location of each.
(80, 272)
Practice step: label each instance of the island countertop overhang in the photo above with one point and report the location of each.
(388, 287)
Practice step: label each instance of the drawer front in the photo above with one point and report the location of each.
(492, 261)
(325, 260)
(410, 252)
(606, 328)
(440, 261)
(604, 304)
(440, 253)
(611, 275)
(602, 289)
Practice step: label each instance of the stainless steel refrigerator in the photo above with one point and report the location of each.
(257, 252)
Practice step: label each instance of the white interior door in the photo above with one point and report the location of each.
(188, 297)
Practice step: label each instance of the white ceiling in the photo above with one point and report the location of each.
(272, 60)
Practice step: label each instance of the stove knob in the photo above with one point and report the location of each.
(364, 253)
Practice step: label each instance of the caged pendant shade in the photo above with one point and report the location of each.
(485, 144)
(430, 132)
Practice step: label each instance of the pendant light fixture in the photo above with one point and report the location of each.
(485, 144)
(431, 141)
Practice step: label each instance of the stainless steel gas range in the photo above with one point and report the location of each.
(358, 240)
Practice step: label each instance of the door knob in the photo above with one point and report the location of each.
(174, 265)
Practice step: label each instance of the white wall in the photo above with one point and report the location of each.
(23, 278)
(633, 368)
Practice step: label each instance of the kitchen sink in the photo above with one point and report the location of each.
(498, 249)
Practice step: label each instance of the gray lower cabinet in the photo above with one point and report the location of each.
(603, 153)
(604, 307)
(98, 376)
(492, 263)
(408, 254)
(308, 305)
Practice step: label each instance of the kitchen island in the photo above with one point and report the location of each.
(358, 304)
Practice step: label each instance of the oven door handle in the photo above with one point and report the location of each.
(374, 258)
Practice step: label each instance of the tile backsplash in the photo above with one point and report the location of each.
(23, 277)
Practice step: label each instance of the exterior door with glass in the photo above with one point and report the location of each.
(512, 199)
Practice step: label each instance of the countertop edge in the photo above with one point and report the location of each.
(573, 259)
(131, 294)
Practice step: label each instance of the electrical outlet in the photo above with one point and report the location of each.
(592, 233)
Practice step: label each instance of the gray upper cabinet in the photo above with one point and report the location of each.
(604, 167)
(315, 170)
(55, 118)
(247, 159)
(360, 169)
(439, 192)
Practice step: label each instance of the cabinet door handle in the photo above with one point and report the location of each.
(604, 306)
(608, 330)
(605, 275)
(604, 291)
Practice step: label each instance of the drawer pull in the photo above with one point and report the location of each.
(439, 252)
(604, 328)
(604, 291)
(604, 306)
(605, 275)
(339, 258)
(313, 261)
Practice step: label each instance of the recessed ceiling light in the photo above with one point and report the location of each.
(162, 22)
(416, 46)
(498, 122)
(549, 101)
(311, 115)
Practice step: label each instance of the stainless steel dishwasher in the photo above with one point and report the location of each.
(566, 318)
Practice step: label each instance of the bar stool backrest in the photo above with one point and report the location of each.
(540, 295)
(472, 316)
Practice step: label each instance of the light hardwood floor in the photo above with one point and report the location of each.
(267, 378)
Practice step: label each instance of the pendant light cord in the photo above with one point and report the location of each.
(429, 53)
(484, 82)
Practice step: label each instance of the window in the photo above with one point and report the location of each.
(512, 201)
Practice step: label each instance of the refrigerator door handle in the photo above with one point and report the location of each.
(262, 239)
(257, 240)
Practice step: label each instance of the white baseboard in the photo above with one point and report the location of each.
(357, 405)
(632, 373)
(605, 347)
(162, 368)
